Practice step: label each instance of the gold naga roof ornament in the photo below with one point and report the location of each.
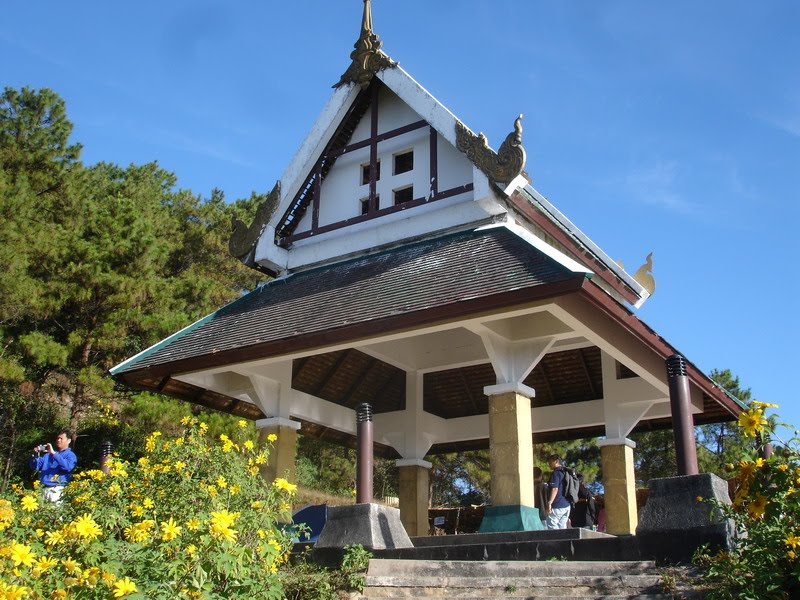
(502, 166)
(243, 238)
(644, 275)
(367, 56)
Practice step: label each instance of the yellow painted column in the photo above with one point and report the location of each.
(283, 451)
(510, 447)
(414, 500)
(619, 482)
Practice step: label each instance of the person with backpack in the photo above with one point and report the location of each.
(584, 511)
(558, 506)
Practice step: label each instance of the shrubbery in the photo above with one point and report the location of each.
(190, 519)
(764, 561)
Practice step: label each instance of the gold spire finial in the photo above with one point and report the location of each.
(644, 275)
(367, 56)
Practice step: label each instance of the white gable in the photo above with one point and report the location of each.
(437, 192)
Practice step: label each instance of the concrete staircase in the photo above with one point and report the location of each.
(476, 580)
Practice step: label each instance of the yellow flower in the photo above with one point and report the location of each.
(221, 482)
(191, 549)
(241, 423)
(58, 594)
(148, 503)
(22, 555)
(253, 471)
(29, 503)
(234, 489)
(186, 421)
(791, 554)
(139, 532)
(6, 512)
(758, 404)
(746, 469)
(54, 537)
(179, 441)
(193, 524)
(284, 485)
(757, 506)
(699, 499)
(169, 530)
(261, 459)
(13, 592)
(203, 427)
(43, 564)
(783, 467)
(136, 510)
(760, 462)
(792, 541)
(272, 437)
(221, 525)
(249, 444)
(212, 491)
(123, 587)
(179, 466)
(752, 422)
(71, 566)
(86, 528)
(91, 576)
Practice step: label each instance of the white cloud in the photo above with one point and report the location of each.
(655, 185)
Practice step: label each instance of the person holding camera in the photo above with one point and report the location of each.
(55, 465)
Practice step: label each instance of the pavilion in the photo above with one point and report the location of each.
(417, 269)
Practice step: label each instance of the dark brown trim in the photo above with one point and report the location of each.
(382, 137)
(373, 153)
(463, 189)
(434, 163)
(356, 331)
(600, 299)
(316, 196)
(521, 204)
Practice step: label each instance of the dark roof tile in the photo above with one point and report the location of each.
(420, 276)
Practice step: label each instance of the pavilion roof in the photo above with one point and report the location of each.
(416, 282)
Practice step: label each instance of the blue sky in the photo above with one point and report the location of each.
(671, 127)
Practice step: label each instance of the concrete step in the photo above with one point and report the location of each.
(415, 593)
(508, 569)
(544, 535)
(475, 580)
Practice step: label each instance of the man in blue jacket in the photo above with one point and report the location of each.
(55, 465)
(557, 505)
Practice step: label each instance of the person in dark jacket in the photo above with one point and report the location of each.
(540, 494)
(55, 465)
(584, 512)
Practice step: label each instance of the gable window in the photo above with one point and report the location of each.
(404, 195)
(365, 173)
(365, 204)
(403, 162)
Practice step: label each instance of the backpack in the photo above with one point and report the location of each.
(571, 485)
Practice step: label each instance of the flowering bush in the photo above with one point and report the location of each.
(190, 519)
(764, 561)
